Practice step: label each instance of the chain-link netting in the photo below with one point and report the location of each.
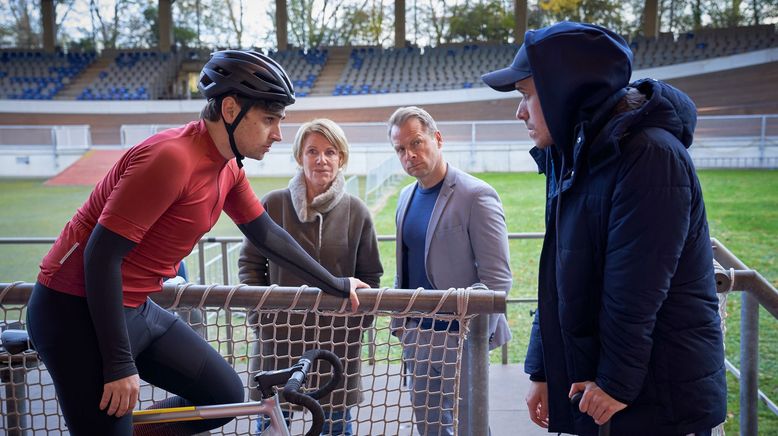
(399, 350)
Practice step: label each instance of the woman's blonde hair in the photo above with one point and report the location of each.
(327, 128)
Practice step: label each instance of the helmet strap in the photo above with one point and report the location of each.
(230, 127)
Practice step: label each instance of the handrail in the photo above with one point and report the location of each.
(757, 291)
(746, 279)
(732, 275)
(479, 301)
(732, 269)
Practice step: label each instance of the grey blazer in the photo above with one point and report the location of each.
(467, 241)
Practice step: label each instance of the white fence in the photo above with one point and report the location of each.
(747, 141)
(41, 151)
(739, 141)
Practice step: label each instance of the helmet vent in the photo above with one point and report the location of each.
(248, 85)
(222, 71)
(205, 80)
(263, 74)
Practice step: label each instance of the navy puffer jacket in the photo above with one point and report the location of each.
(626, 289)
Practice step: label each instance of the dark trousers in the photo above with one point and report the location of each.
(167, 352)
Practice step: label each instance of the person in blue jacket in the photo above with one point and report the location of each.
(627, 306)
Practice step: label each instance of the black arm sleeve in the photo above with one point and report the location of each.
(278, 246)
(103, 258)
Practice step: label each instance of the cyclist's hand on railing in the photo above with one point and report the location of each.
(595, 402)
(537, 403)
(355, 284)
(120, 396)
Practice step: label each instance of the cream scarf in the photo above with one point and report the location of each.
(321, 204)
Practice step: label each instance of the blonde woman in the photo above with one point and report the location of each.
(336, 229)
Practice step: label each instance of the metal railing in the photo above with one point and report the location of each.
(734, 275)
(730, 272)
(381, 178)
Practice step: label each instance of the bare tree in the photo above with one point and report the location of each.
(313, 24)
(107, 29)
(24, 24)
(437, 19)
(63, 9)
(236, 20)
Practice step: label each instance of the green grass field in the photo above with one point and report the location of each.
(742, 210)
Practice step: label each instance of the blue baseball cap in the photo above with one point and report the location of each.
(504, 80)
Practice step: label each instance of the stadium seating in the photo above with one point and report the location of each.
(302, 66)
(703, 44)
(144, 75)
(374, 70)
(34, 75)
(134, 75)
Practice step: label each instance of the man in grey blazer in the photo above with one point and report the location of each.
(451, 233)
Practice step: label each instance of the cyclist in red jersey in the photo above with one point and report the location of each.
(142, 218)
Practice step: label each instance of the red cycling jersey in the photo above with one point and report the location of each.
(164, 194)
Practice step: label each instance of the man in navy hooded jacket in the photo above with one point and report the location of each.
(627, 308)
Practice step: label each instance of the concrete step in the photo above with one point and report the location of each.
(84, 79)
(337, 60)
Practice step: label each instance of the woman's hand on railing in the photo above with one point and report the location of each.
(355, 284)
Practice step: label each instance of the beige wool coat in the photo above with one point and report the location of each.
(335, 229)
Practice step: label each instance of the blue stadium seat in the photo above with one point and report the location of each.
(39, 76)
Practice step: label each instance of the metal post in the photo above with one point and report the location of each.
(762, 139)
(749, 365)
(13, 377)
(749, 344)
(228, 315)
(225, 264)
(477, 394)
(201, 260)
(196, 317)
(54, 149)
(472, 148)
(371, 347)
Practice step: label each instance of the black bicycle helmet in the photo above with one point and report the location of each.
(247, 73)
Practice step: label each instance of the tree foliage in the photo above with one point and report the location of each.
(484, 21)
(608, 13)
(314, 23)
(762, 11)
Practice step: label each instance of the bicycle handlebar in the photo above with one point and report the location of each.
(15, 341)
(309, 401)
(575, 400)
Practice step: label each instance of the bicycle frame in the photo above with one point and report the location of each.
(269, 407)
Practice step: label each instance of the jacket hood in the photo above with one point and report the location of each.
(577, 68)
(665, 107)
(645, 103)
